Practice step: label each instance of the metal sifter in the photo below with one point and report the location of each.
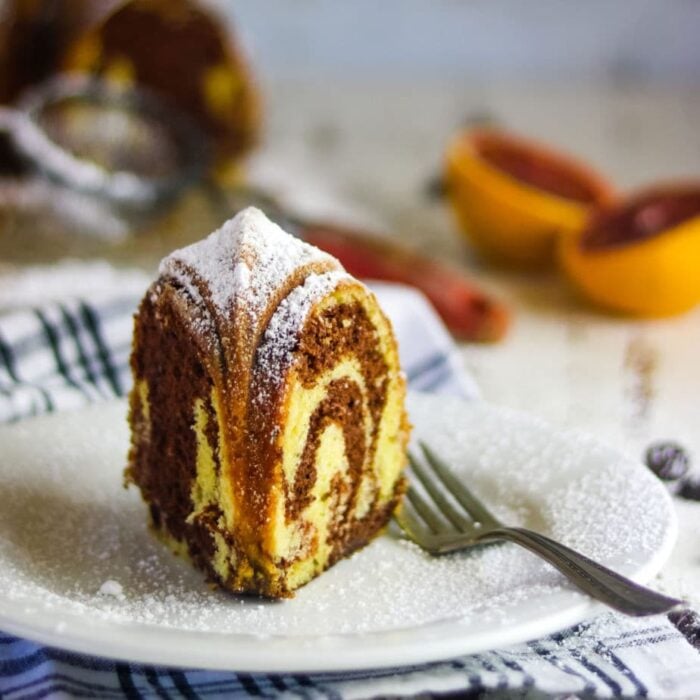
(127, 146)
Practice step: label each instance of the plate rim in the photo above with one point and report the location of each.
(131, 641)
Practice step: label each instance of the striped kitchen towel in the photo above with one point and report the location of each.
(70, 352)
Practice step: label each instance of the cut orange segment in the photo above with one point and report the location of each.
(513, 198)
(642, 256)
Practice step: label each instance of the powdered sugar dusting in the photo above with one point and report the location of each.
(275, 352)
(247, 258)
(241, 276)
(67, 527)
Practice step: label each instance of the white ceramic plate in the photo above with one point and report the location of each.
(67, 526)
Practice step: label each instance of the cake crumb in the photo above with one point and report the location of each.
(112, 588)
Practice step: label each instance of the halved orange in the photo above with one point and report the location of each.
(641, 256)
(513, 197)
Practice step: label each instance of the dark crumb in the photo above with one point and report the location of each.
(690, 488)
(436, 188)
(687, 622)
(668, 460)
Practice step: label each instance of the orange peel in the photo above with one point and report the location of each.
(514, 198)
(642, 256)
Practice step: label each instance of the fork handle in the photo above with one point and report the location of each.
(601, 583)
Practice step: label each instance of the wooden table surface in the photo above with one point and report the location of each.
(375, 146)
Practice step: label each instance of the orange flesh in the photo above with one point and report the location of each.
(535, 169)
(641, 219)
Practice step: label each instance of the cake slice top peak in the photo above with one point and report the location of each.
(247, 259)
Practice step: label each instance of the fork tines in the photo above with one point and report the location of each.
(448, 508)
(441, 515)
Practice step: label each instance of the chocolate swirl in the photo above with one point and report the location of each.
(268, 429)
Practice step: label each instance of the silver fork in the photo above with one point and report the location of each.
(441, 528)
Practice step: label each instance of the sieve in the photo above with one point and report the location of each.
(127, 145)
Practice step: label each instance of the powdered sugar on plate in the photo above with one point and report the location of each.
(67, 529)
(112, 588)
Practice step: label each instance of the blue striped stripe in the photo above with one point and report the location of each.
(278, 682)
(22, 664)
(182, 684)
(248, 682)
(614, 686)
(473, 680)
(528, 680)
(153, 678)
(126, 682)
(92, 663)
(92, 323)
(54, 343)
(444, 376)
(426, 365)
(588, 686)
(616, 661)
(34, 341)
(488, 666)
(642, 641)
(74, 329)
(53, 677)
(54, 689)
